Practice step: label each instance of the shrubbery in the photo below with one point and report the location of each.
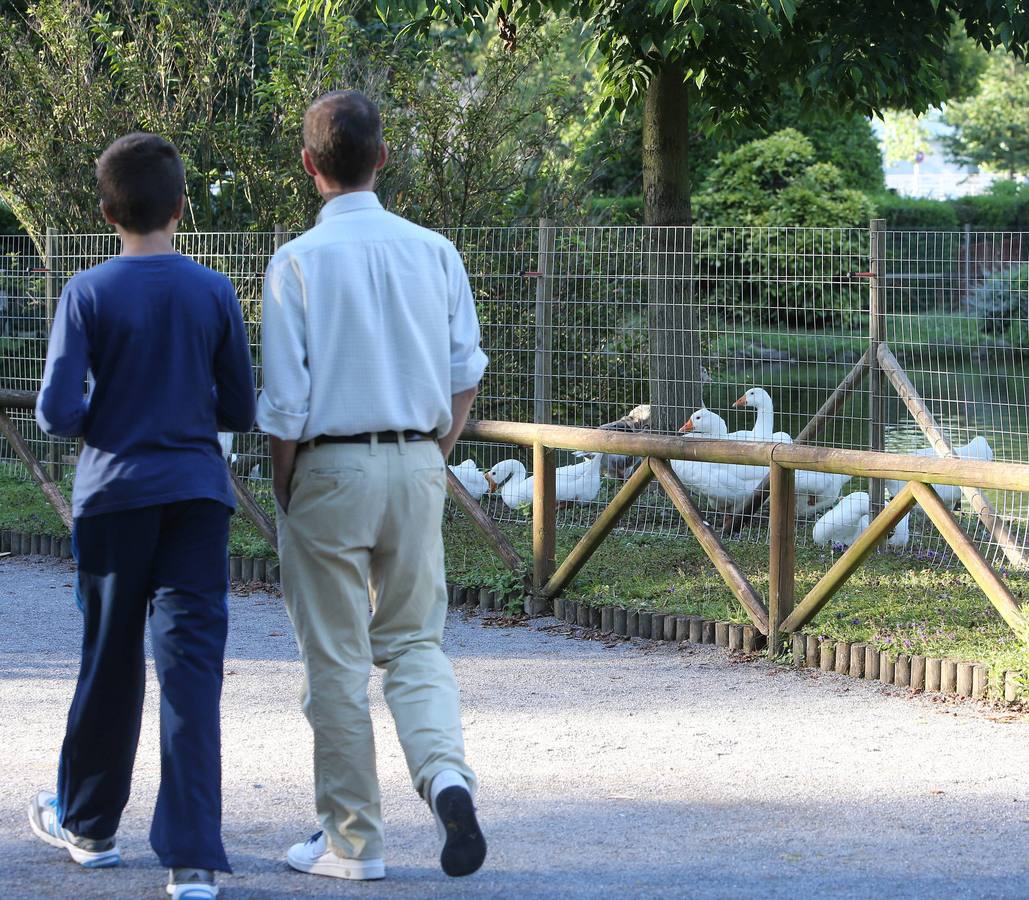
(1001, 304)
(761, 188)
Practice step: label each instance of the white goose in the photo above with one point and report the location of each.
(704, 423)
(817, 491)
(899, 539)
(578, 483)
(725, 486)
(761, 400)
(978, 448)
(473, 480)
(844, 522)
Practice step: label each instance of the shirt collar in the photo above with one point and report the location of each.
(351, 202)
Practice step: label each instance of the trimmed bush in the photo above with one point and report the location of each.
(774, 185)
(915, 212)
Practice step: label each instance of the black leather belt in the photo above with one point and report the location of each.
(384, 437)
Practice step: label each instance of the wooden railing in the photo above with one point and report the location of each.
(781, 615)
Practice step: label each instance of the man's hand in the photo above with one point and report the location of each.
(284, 454)
(460, 406)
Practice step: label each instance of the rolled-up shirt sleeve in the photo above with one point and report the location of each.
(285, 400)
(467, 361)
(61, 406)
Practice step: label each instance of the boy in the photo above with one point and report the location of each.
(162, 341)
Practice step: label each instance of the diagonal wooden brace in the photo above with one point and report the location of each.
(996, 591)
(708, 540)
(494, 536)
(851, 559)
(40, 474)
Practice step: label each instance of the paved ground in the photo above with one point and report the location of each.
(607, 771)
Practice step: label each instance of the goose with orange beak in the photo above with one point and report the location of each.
(759, 399)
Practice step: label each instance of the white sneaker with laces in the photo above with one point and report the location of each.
(87, 852)
(314, 857)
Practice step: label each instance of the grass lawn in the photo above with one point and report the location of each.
(894, 602)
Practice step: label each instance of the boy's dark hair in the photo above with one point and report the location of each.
(141, 179)
(342, 134)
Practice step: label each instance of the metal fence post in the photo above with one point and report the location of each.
(542, 382)
(53, 452)
(876, 335)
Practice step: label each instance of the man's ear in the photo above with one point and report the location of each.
(383, 156)
(108, 218)
(180, 208)
(309, 166)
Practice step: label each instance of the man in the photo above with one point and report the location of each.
(371, 363)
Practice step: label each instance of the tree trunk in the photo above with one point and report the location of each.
(675, 386)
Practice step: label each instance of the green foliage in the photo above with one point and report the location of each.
(8, 221)
(992, 126)
(915, 212)
(772, 182)
(1001, 305)
(1005, 207)
(778, 181)
(487, 145)
(609, 151)
(904, 136)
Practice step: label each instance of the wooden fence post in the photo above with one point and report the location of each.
(876, 335)
(782, 551)
(279, 236)
(544, 522)
(542, 382)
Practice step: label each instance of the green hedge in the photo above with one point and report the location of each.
(1005, 207)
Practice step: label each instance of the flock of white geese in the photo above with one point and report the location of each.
(726, 487)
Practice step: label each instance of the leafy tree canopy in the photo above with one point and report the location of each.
(992, 126)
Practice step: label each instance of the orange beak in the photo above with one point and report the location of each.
(688, 426)
(742, 401)
(489, 480)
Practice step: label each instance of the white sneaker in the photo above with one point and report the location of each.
(88, 852)
(191, 884)
(315, 857)
(464, 847)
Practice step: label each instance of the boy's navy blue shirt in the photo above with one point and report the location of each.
(163, 343)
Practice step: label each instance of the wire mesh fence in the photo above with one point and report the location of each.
(641, 326)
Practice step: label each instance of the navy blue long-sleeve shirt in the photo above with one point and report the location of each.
(162, 341)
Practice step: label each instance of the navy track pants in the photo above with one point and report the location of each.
(168, 563)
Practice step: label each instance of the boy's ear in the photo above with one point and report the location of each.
(108, 218)
(309, 166)
(180, 208)
(383, 156)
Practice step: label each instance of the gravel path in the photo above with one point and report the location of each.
(627, 770)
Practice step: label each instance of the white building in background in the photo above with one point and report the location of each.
(935, 176)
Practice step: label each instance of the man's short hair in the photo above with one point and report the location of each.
(342, 134)
(141, 179)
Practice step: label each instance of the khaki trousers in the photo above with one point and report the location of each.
(364, 527)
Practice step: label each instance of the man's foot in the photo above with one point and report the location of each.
(88, 852)
(464, 847)
(191, 884)
(315, 857)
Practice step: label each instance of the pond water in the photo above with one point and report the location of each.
(966, 400)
